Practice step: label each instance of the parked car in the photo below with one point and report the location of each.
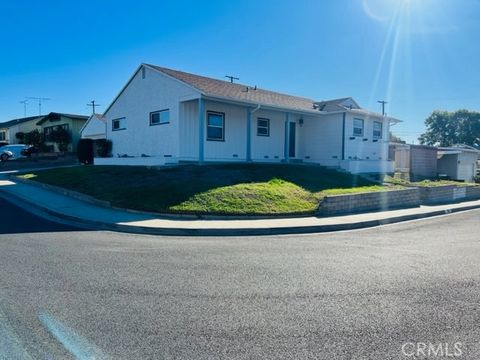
(10, 152)
(28, 151)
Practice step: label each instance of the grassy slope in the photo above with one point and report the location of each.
(225, 188)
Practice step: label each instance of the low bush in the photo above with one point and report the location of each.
(85, 151)
(104, 147)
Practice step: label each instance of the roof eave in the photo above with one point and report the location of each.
(268, 106)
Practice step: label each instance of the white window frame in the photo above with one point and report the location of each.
(376, 130)
(121, 122)
(354, 127)
(263, 127)
(160, 112)
(216, 113)
(3, 135)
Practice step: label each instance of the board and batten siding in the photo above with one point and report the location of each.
(234, 145)
(467, 166)
(268, 148)
(189, 145)
(321, 139)
(154, 92)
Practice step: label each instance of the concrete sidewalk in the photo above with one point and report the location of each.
(89, 215)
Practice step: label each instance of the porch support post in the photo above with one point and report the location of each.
(287, 133)
(201, 129)
(249, 135)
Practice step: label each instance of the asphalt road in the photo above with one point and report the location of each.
(70, 293)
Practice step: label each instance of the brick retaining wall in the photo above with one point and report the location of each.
(381, 200)
(448, 193)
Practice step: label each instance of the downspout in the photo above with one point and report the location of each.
(201, 130)
(343, 135)
(249, 131)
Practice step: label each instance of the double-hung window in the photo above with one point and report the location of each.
(215, 126)
(357, 127)
(3, 136)
(263, 127)
(160, 117)
(118, 124)
(377, 130)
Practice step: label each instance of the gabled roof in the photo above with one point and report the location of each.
(14, 122)
(337, 104)
(54, 116)
(225, 89)
(93, 116)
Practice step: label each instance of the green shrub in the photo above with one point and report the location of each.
(85, 151)
(34, 138)
(104, 147)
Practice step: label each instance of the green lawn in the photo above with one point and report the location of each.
(427, 183)
(215, 189)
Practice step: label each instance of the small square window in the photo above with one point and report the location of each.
(160, 117)
(358, 127)
(377, 130)
(263, 127)
(118, 124)
(215, 126)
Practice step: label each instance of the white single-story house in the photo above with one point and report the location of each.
(165, 116)
(95, 128)
(458, 162)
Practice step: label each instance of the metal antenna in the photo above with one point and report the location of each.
(24, 102)
(232, 78)
(383, 102)
(92, 104)
(39, 99)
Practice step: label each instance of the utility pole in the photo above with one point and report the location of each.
(92, 104)
(40, 100)
(232, 78)
(383, 102)
(24, 102)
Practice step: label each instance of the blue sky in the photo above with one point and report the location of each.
(420, 55)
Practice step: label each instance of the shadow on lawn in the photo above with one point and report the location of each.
(160, 189)
(178, 184)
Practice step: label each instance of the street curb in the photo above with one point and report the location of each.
(98, 225)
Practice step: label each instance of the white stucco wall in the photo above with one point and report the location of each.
(361, 149)
(142, 96)
(94, 129)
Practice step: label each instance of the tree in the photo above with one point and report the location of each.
(394, 138)
(61, 137)
(20, 136)
(449, 128)
(34, 138)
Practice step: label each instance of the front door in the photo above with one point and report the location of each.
(291, 140)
